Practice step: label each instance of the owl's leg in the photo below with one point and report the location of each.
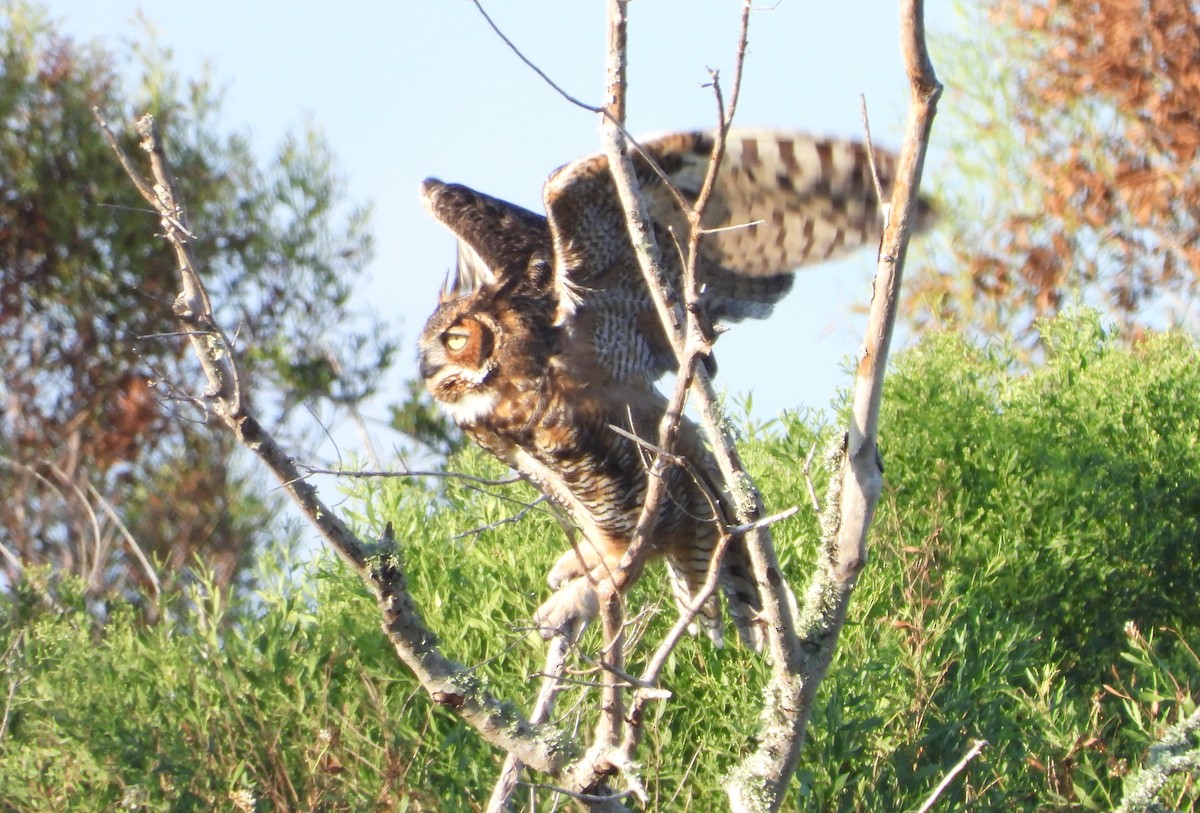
(575, 577)
(569, 610)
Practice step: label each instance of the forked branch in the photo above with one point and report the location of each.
(760, 781)
(379, 563)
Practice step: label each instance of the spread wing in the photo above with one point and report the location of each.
(785, 200)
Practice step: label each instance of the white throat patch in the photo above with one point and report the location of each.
(471, 407)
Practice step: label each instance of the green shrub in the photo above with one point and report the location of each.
(1031, 583)
(1031, 524)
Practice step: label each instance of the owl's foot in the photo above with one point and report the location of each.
(573, 564)
(568, 611)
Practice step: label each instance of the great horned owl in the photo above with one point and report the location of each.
(546, 336)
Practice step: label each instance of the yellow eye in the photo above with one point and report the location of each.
(456, 341)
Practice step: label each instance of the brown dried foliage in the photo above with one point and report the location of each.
(101, 444)
(1104, 96)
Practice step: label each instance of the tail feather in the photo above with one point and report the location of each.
(684, 585)
(741, 596)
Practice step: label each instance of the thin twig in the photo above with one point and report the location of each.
(364, 435)
(64, 482)
(142, 187)
(13, 560)
(812, 491)
(129, 538)
(533, 66)
(491, 526)
(778, 516)
(973, 752)
(14, 681)
(580, 797)
(174, 334)
(866, 121)
(657, 448)
(101, 551)
(589, 684)
(732, 227)
(409, 473)
(543, 707)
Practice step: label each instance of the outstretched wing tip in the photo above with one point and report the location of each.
(430, 191)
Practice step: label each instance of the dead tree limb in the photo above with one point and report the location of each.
(760, 781)
(617, 734)
(379, 563)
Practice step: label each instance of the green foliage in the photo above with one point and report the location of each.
(1030, 526)
(1030, 584)
(420, 419)
(100, 385)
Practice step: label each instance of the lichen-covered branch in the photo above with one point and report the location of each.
(1177, 752)
(447, 682)
(759, 783)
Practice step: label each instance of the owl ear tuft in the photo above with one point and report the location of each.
(469, 276)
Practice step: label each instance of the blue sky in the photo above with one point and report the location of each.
(408, 90)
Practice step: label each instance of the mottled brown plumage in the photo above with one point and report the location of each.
(547, 337)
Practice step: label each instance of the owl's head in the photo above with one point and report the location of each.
(493, 325)
(458, 359)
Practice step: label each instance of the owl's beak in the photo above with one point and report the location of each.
(428, 367)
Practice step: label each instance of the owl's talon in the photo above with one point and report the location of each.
(568, 611)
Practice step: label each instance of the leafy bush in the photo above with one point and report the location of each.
(100, 441)
(1030, 584)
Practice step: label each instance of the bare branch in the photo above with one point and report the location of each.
(409, 473)
(100, 554)
(448, 683)
(143, 188)
(532, 65)
(591, 798)
(862, 101)
(778, 516)
(147, 567)
(972, 752)
(854, 492)
(72, 489)
(812, 491)
(491, 526)
(14, 680)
